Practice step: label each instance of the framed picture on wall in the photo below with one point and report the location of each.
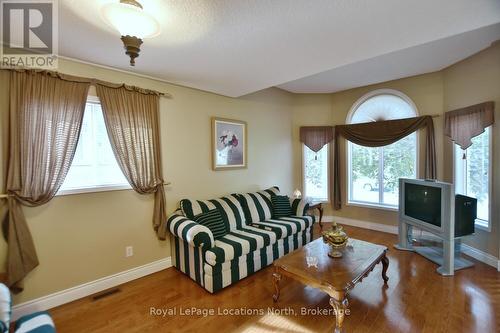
(229, 144)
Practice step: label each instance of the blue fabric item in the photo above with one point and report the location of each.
(38, 322)
(5, 308)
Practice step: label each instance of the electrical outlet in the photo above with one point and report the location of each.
(129, 251)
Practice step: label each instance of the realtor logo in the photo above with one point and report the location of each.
(29, 33)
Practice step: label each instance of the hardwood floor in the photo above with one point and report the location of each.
(417, 299)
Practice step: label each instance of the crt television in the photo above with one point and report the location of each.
(434, 207)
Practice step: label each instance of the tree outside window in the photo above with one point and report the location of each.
(316, 174)
(374, 172)
(472, 174)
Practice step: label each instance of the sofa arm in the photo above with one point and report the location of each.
(299, 207)
(190, 231)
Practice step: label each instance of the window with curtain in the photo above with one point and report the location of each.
(473, 174)
(94, 167)
(373, 173)
(316, 174)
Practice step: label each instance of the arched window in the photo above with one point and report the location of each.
(373, 173)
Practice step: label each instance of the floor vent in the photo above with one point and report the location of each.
(105, 293)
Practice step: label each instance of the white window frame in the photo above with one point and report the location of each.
(98, 188)
(328, 173)
(93, 189)
(349, 185)
(480, 223)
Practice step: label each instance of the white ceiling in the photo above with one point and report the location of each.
(424, 58)
(236, 47)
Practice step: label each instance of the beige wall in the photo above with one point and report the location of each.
(308, 110)
(80, 238)
(471, 81)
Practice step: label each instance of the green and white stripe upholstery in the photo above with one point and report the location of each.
(257, 205)
(189, 260)
(286, 226)
(213, 221)
(5, 308)
(229, 206)
(299, 207)
(247, 247)
(38, 322)
(222, 275)
(239, 243)
(281, 206)
(189, 231)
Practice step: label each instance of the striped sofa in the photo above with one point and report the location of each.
(253, 242)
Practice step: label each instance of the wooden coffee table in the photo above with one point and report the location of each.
(334, 276)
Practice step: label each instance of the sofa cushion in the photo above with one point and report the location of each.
(213, 221)
(257, 206)
(38, 322)
(281, 206)
(239, 242)
(286, 226)
(229, 206)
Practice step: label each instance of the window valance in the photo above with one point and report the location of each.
(382, 133)
(315, 137)
(92, 81)
(464, 124)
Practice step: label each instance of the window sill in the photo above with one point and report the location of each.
(372, 206)
(482, 225)
(94, 189)
(315, 202)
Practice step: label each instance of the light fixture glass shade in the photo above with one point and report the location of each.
(130, 20)
(297, 194)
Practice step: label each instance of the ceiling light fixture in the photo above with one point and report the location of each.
(133, 23)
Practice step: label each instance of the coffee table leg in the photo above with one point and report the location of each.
(385, 265)
(339, 303)
(276, 281)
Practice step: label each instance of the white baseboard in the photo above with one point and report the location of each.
(487, 258)
(391, 229)
(89, 288)
(484, 257)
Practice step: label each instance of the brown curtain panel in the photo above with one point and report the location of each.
(132, 122)
(464, 124)
(315, 137)
(382, 133)
(45, 119)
